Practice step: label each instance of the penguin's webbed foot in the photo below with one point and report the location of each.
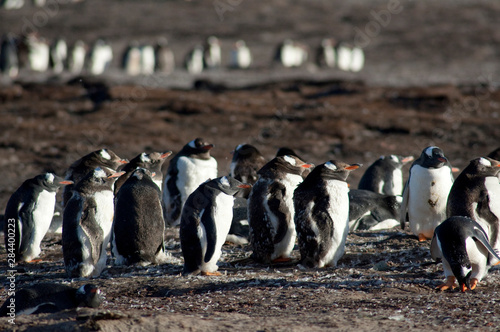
(35, 260)
(473, 283)
(449, 284)
(422, 237)
(206, 273)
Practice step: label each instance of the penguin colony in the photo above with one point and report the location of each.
(33, 52)
(290, 201)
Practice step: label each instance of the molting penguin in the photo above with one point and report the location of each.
(465, 251)
(103, 158)
(50, 298)
(373, 211)
(150, 161)
(321, 214)
(271, 211)
(246, 162)
(476, 194)
(31, 209)
(138, 229)
(87, 223)
(426, 192)
(190, 167)
(206, 220)
(385, 176)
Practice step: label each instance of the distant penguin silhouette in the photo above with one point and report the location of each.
(147, 59)
(240, 56)
(213, 55)
(76, 60)
(50, 298)
(9, 61)
(132, 59)
(101, 56)
(38, 53)
(326, 55)
(165, 59)
(58, 55)
(28, 215)
(194, 60)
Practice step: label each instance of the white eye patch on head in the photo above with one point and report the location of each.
(331, 166)
(428, 151)
(99, 172)
(484, 161)
(145, 158)
(192, 144)
(224, 181)
(290, 160)
(105, 154)
(49, 177)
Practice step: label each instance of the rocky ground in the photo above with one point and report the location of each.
(431, 78)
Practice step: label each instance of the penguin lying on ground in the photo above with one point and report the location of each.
(245, 164)
(476, 194)
(465, 251)
(28, 215)
(205, 223)
(369, 210)
(50, 298)
(192, 166)
(240, 230)
(87, 223)
(138, 228)
(271, 211)
(385, 176)
(321, 213)
(426, 192)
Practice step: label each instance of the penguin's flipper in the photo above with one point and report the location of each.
(211, 232)
(175, 202)
(92, 230)
(435, 251)
(26, 226)
(190, 242)
(403, 216)
(278, 207)
(480, 236)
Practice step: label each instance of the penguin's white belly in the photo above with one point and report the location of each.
(493, 188)
(397, 182)
(192, 173)
(428, 195)
(478, 256)
(104, 218)
(42, 216)
(222, 215)
(338, 210)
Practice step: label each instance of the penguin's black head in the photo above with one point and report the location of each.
(198, 148)
(285, 164)
(153, 160)
(50, 181)
(483, 167)
(88, 296)
(142, 173)
(335, 170)
(396, 161)
(432, 157)
(229, 185)
(245, 151)
(99, 178)
(495, 154)
(284, 151)
(108, 158)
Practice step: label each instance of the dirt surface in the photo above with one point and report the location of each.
(432, 77)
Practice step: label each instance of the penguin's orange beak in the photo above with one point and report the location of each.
(352, 167)
(407, 159)
(166, 154)
(307, 165)
(115, 175)
(442, 159)
(245, 186)
(455, 169)
(208, 147)
(66, 182)
(123, 161)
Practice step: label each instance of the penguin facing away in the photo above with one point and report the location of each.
(189, 168)
(369, 210)
(271, 210)
(87, 223)
(52, 297)
(466, 254)
(476, 194)
(426, 192)
(385, 176)
(206, 220)
(246, 162)
(321, 213)
(138, 228)
(32, 208)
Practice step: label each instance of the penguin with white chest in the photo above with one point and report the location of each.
(369, 210)
(271, 210)
(246, 162)
(87, 223)
(476, 194)
(189, 168)
(466, 254)
(138, 228)
(31, 209)
(385, 175)
(206, 220)
(426, 192)
(322, 213)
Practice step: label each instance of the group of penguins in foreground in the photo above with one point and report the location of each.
(127, 204)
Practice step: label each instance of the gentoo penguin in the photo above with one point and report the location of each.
(385, 175)
(465, 251)
(164, 57)
(344, 56)
(87, 223)
(285, 151)
(205, 223)
(50, 298)
(495, 154)
(190, 167)
(103, 158)
(58, 55)
(271, 210)
(322, 212)
(132, 60)
(138, 228)
(291, 54)
(76, 60)
(101, 56)
(9, 62)
(212, 54)
(476, 194)
(426, 192)
(194, 60)
(240, 56)
(28, 215)
(38, 53)
(326, 56)
(369, 210)
(357, 59)
(247, 160)
(150, 161)
(12, 4)
(147, 59)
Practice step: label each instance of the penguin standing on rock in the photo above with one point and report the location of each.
(321, 214)
(192, 166)
(138, 228)
(206, 220)
(476, 194)
(426, 192)
(50, 298)
(385, 176)
(87, 223)
(246, 162)
(28, 215)
(465, 251)
(271, 210)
